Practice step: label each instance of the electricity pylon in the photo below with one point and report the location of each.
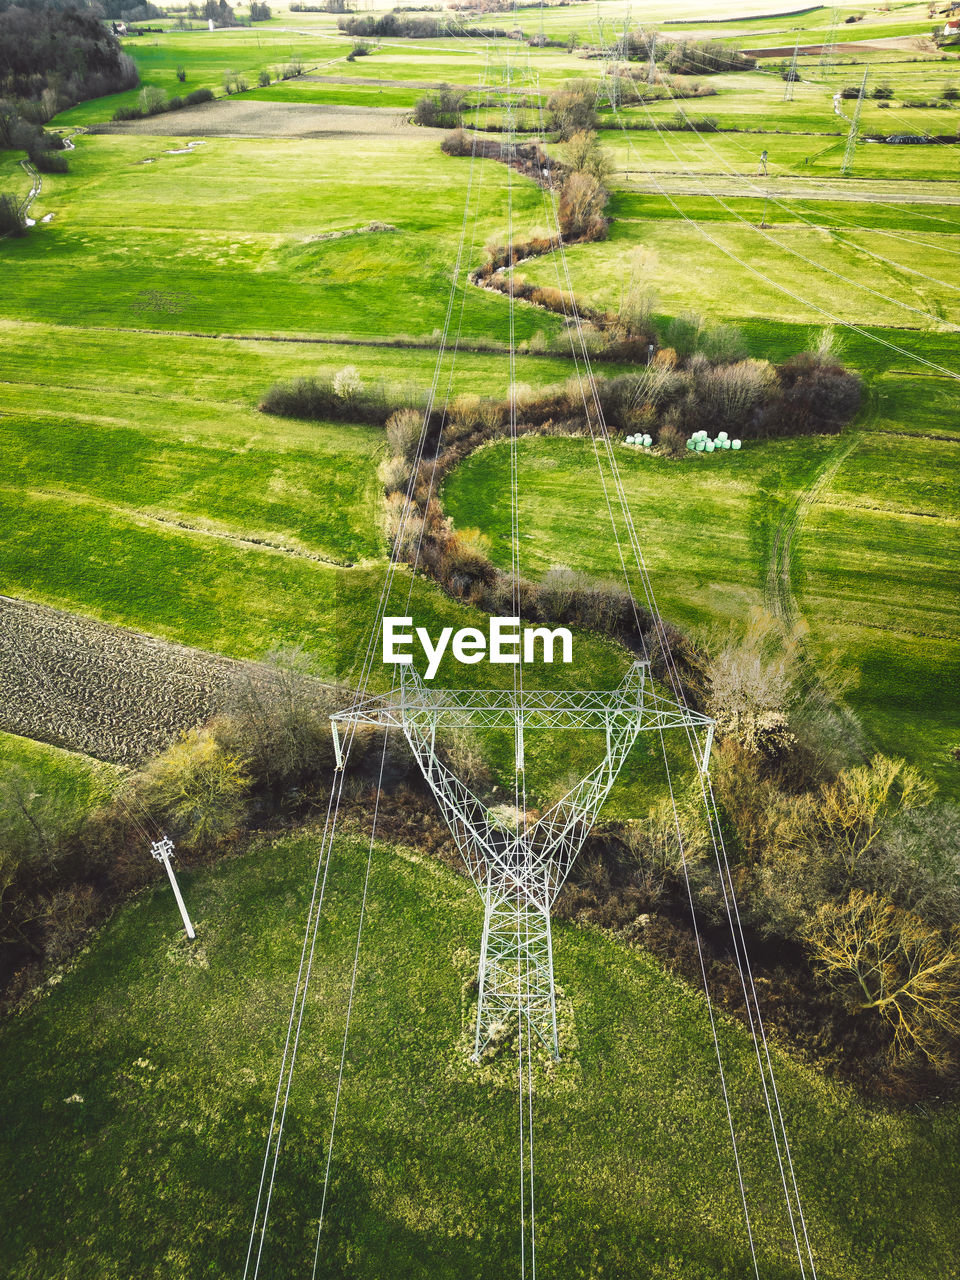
(618, 51)
(828, 49)
(519, 865)
(854, 133)
(792, 74)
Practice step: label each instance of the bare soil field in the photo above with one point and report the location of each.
(229, 118)
(114, 694)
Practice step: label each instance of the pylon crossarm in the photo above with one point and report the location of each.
(417, 704)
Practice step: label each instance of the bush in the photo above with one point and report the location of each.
(317, 399)
(49, 161)
(672, 441)
(457, 143)
(404, 429)
(682, 334)
(580, 208)
(263, 79)
(152, 100)
(753, 685)
(276, 718)
(197, 96)
(181, 74)
(892, 965)
(439, 110)
(573, 109)
(819, 395)
(198, 789)
(12, 219)
(583, 154)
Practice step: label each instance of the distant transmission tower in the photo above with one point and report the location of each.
(619, 50)
(792, 74)
(519, 866)
(854, 133)
(829, 48)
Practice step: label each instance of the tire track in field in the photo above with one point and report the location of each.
(778, 589)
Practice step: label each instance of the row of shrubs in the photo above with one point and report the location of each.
(687, 57)
(153, 102)
(418, 27)
(704, 380)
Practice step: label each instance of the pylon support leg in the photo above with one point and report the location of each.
(705, 759)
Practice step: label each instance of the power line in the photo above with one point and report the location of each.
(259, 1227)
(836, 319)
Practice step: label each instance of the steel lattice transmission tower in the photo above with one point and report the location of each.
(618, 51)
(828, 49)
(519, 865)
(792, 73)
(854, 134)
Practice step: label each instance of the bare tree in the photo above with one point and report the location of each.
(891, 963)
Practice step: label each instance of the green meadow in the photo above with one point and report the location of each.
(75, 782)
(148, 1096)
(140, 327)
(141, 486)
(712, 528)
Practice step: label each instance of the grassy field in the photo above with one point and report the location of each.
(245, 257)
(140, 485)
(148, 1095)
(210, 523)
(77, 782)
(713, 529)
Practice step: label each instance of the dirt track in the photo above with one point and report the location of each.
(788, 187)
(251, 118)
